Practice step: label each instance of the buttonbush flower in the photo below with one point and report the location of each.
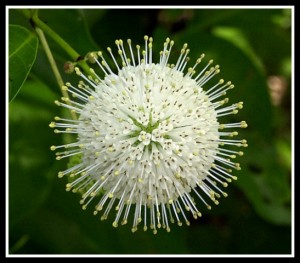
(149, 138)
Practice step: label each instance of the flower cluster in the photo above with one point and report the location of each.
(148, 136)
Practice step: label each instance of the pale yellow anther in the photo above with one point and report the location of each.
(244, 124)
(117, 172)
(109, 49)
(60, 174)
(99, 207)
(190, 70)
(77, 71)
(239, 105)
(52, 125)
(221, 81)
(110, 149)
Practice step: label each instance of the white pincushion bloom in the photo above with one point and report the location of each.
(149, 137)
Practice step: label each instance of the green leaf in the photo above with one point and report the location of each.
(23, 46)
(30, 160)
(265, 182)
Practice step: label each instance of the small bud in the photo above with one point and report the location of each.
(69, 67)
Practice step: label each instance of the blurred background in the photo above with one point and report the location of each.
(253, 49)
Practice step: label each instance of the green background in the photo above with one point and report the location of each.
(250, 45)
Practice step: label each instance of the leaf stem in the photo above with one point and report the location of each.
(75, 56)
(53, 65)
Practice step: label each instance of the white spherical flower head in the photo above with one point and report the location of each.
(149, 137)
